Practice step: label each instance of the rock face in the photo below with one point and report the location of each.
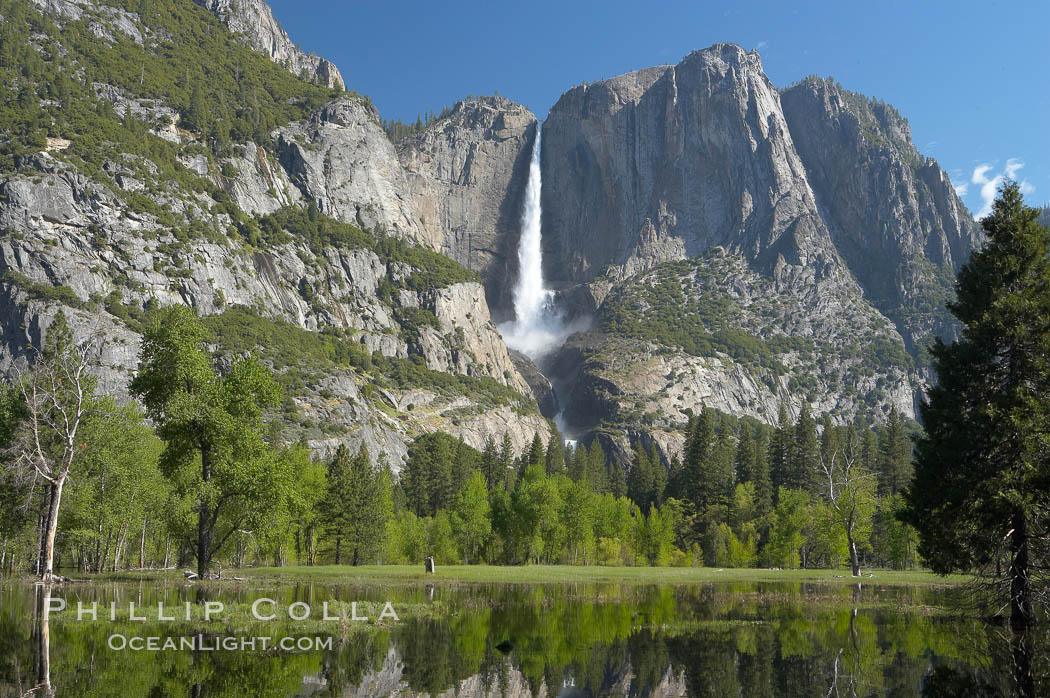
(342, 160)
(731, 244)
(666, 162)
(415, 347)
(893, 214)
(254, 23)
(699, 160)
(465, 178)
(66, 232)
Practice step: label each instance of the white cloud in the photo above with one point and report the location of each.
(1012, 166)
(761, 45)
(961, 189)
(990, 185)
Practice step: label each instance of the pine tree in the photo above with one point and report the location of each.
(659, 472)
(744, 461)
(708, 477)
(830, 443)
(780, 451)
(894, 456)
(761, 480)
(491, 464)
(506, 457)
(981, 487)
(640, 484)
(536, 455)
(554, 458)
(806, 454)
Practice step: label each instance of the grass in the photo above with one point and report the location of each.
(560, 574)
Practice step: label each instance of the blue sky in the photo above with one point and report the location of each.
(972, 78)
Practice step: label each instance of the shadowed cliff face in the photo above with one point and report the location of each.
(892, 213)
(663, 163)
(844, 236)
(465, 177)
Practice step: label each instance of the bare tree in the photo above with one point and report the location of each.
(58, 394)
(850, 491)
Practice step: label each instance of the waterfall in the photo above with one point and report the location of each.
(538, 327)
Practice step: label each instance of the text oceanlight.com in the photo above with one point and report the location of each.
(228, 643)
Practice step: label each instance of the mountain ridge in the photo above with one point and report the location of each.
(704, 160)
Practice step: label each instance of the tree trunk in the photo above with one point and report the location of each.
(38, 569)
(142, 546)
(51, 529)
(1020, 582)
(338, 545)
(204, 523)
(854, 559)
(354, 563)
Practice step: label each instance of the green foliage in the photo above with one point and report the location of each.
(429, 270)
(212, 427)
(660, 309)
(353, 511)
(43, 292)
(299, 356)
(786, 538)
(243, 96)
(981, 477)
(397, 130)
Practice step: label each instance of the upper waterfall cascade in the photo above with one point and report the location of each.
(538, 326)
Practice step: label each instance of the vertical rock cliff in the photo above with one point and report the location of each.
(892, 213)
(465, 177)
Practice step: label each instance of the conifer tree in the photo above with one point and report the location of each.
(640, 484)
(780, 451)
(804, 461)
(981, 487)
(894, 456)
(555, 455)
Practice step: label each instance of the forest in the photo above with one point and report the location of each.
(201, 476)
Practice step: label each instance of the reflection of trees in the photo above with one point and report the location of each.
(740, 641)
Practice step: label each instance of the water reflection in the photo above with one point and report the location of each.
(754, 639)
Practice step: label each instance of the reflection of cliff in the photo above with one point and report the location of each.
(502, 681)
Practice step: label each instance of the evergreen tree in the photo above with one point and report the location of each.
(555, 455)
(760, 478)
(491, 464)
(659, 472)
(780, 451)
(640, 483)
(806, 454)
(616, 478)
(830, 444)
(506, 457)
(895, 467)
(353, 511)
(982, 472)
(536, 455)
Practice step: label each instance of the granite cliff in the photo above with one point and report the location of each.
(822, 244)
(731, 243)
(301, 244)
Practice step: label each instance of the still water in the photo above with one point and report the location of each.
(748, 639)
